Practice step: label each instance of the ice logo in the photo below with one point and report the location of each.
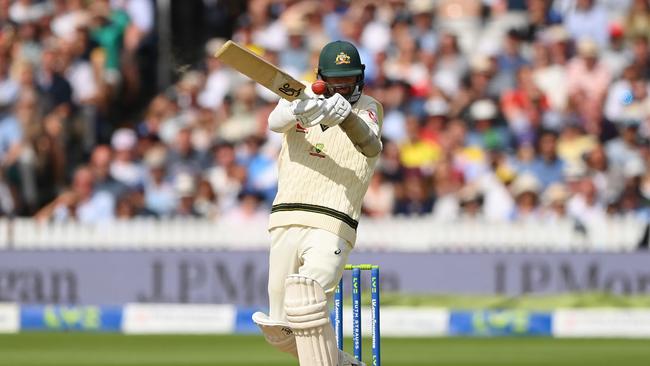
(627, 97)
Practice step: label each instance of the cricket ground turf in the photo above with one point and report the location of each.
(83, 349)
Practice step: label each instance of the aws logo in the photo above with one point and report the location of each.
(318, 150)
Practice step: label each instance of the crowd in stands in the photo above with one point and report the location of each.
(503, 110)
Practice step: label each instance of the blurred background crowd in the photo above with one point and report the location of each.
(503, 110)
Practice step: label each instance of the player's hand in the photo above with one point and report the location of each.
(335, 110)
(308, 112)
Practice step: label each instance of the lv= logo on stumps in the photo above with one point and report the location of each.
(356, 311)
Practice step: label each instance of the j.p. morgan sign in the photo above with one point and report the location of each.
(117, 277)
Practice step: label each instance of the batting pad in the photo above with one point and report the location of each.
(278, 334)
(308, 315)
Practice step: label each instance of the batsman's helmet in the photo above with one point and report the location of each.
(341, 58)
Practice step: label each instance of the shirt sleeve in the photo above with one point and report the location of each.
(281, 118)
(372, 116)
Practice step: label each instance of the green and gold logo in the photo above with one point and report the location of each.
(342, 58)
(317, 150)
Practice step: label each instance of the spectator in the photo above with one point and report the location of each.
(524, 106)
(471, 203)
(250, 210)
(554, 201)
(416, 152)
(526, 189)
(206, 203)
(159, 194)
(474, 95)
(413, 199)
(379, 199)
(625, 147)
(82, 203)
(185, 188)
(585, 205)
(588, 20)
(226, 176)
(547, 167)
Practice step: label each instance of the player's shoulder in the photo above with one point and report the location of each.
(369, 103)
(366, 100)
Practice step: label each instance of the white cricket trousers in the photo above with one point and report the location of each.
(312, 252)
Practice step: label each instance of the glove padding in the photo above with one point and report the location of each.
(308, 112)
(335, 110)
(328, 112)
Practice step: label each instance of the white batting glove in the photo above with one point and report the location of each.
(335, 110)
(308, 112)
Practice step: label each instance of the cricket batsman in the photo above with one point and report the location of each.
(330, 148)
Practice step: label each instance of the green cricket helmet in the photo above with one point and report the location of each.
(341, 58)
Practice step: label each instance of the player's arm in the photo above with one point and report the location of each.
(362, 129)
(282, 118)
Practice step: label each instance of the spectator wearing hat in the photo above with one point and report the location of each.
(587, 80)
(616, 56)
(422, 28)
(185, 189)
(295, 58)
(159, 193)
(470, 200)
(554, 201)
(124, 168)
(485, 131)
(526, 189)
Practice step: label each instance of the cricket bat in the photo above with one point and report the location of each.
(261, 71)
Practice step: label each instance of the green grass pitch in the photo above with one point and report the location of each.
(77, 349)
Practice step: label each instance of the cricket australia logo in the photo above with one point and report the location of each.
(288, 90)
(342, 58)
(318, 150)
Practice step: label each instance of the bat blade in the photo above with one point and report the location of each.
(261, 71)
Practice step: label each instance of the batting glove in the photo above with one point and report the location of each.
(308, 112)
(335, 110)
